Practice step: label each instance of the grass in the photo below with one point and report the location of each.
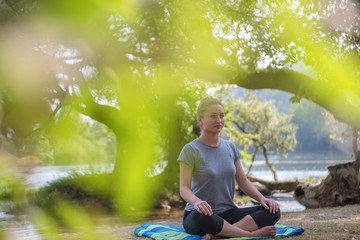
(9, 187)
(6, 190)
(88, 190)
(308, 180)
(326, 223)
(99, 191)
(12, 188)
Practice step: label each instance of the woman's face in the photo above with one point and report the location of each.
(213, 120)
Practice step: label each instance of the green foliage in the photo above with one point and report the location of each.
(73, 139)
(193, 92)
(246, 198)
(308, 180)
(87, 190)
(13, 192)
(79, 140)
(6, 189)
(94, 193)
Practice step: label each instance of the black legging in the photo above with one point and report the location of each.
(200, 224)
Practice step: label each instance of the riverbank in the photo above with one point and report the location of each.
(338, 223)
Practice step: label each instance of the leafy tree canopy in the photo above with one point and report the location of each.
(259, 124)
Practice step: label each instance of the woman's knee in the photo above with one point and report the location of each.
(265, 218)
(276, 216)
(209, 224)
(273, 218)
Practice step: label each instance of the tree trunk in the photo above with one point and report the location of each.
(340, 187)
(272, 167)
(171, 172)
(355, 136)
(252, 160)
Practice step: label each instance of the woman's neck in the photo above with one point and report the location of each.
(210, 139)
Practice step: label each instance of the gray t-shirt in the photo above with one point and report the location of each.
(213, 175)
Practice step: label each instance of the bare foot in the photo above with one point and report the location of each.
(209, 236)
(265, 231)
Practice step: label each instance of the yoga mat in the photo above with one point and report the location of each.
(168, 232)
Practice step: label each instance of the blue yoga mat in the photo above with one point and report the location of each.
(168, 232)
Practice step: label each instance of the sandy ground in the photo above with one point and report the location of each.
(325, 223)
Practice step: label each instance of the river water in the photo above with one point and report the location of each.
(295, 169)
(20, 227)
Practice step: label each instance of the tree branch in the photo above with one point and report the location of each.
(238, 126)
(325, 94)
(108, 115)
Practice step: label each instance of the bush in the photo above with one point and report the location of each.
(86, 190)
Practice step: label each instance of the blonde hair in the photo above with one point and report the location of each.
(204, 104)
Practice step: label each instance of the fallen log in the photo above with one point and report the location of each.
(267, 187)
(340, 187)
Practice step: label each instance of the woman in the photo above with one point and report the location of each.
(209, 166)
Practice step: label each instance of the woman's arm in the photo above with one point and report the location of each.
(187, 194)
(247, 187)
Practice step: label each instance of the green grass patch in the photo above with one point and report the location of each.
(12, 189)
(308, 180)
(96, 194)
(8, 187)
(6, 191)
(88, 190)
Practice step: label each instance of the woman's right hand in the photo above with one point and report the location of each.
(203, 207)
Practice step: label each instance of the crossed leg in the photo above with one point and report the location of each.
(244, 222)
(246, 227)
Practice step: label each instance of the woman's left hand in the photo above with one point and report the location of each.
(270, 205)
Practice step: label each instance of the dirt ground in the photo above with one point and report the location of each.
(338, 223)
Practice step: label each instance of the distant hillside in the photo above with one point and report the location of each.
(315, 128)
